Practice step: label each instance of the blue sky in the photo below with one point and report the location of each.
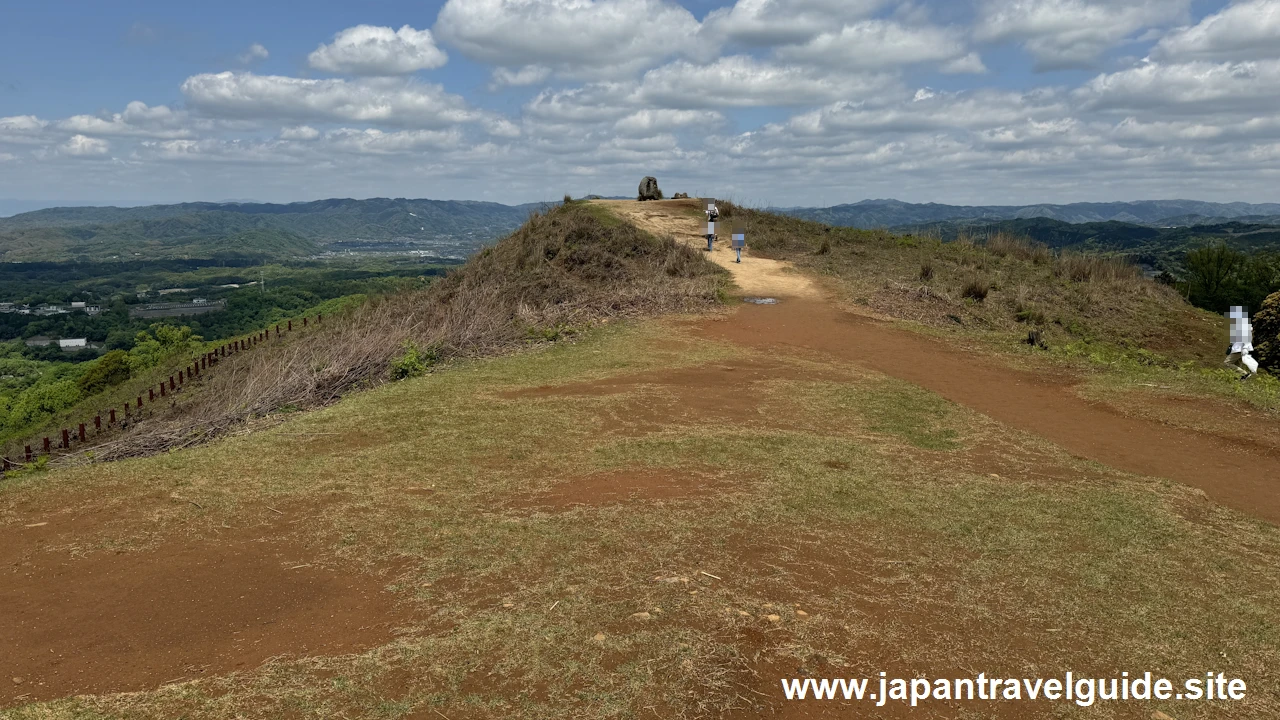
(770, 101)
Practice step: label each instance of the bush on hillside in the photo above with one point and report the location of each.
(1266, 333)
(108, 371)
(569, 267)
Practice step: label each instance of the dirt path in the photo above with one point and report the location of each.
(1240, 475)
(132, 620)
(679, 219)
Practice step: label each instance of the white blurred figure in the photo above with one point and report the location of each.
(713, 213)
(1241, 342)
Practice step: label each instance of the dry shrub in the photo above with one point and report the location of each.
(567, 268)
(1025, 249)
(1078, 267)
(977, 288)
(926, 270)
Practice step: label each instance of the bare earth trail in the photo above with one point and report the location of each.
(1239, 475)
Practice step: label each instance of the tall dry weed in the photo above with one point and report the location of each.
(564, 268)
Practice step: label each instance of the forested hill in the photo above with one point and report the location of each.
(1159, 247)
(193, 230)
(893, 213)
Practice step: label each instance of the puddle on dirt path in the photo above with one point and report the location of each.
(112, 622)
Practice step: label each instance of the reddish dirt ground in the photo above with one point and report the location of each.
(118, 621)
(1237, 474)
(619, 486)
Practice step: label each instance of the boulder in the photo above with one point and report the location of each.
(680, 196)
(649, 189)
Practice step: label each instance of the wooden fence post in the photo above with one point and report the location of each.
(112, 419)
(28, 453)
(151, 394)
(290, 326)
(304, 322)
(81, 432)
(139, 401)
(47, 446)
(66, 438)
(97, 422)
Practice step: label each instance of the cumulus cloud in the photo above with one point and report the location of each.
(1073, 33)
(255, 53)
(262, 97)
(596, 102)
(587, 39)
(82, 145)
(372, 50)
(1194, 87)
(1242, 31)
(743, 81)
(878, 44)
(649, 123)
(137, 120)
(970, 63)
(766, 23)
(527, 75)
(377, 142)
(299, 132)
(22, 129)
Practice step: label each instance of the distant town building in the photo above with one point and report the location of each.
(170, 291)
(73, 343)
(155, 310)
(38, 341)
(47, 309)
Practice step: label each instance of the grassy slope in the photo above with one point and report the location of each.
(930, 566)
(1120, 331)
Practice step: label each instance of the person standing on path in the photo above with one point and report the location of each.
(713, 213)
(739, 238)
(1241, 342)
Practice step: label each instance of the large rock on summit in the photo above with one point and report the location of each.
(649, 189)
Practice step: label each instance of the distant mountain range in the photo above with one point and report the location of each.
(447, 228)
(1159, 213)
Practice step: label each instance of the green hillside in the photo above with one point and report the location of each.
(203, 230)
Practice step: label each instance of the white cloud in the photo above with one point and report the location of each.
(1194, 87)
(597, 102)
(1072, 33)
(137, 120)
(299, 132)
(261, 97)
(255, 53)
(648, 123)
(589, 39)
(764, 23)
(970, 63)
(82, 145)
(377, 142)
(1242, 31)
(8, 157)
(743, 81)
(878, 44)
(527, 75)
(372, 50)
(21, 128)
